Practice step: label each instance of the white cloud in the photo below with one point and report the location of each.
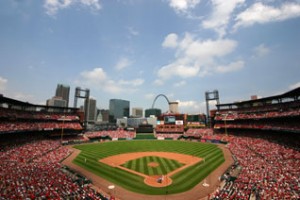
(294, 86)
(261, 50)
(175, 69)
(99, 80)
(194, 57)
(111, 87)
(210, 48)
(3, 83)
(24, 97)
(150, 96)
(53, 6)
(260, 13)
(234, 66)
(132, 31)
(170, 41)
(191, 107)
(221, 15)
(158, 82)
(123, 63)
(134, 82)
(183, 5)
(95, 4)
(180, 83)
(96, 76)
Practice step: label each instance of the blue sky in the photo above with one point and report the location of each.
(137, 49)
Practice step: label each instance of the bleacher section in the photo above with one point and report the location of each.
(21, 120)
(112, 134)
(280, 113)
(267, 166)
(31, 169)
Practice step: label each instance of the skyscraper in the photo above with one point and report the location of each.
(63, 91)
(118, 108)
(92, 110)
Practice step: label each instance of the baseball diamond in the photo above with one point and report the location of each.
(181, 164)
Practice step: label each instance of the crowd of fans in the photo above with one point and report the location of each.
(269, 169)
(120, 133)
(262, 125)
(13, 126)
(15, 120)
(198, 132)
(234, 115)
(33, 171)
(25, 114)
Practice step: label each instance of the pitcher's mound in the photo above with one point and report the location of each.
(153, 164)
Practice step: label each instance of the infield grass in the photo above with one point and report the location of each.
(182, 181)
(142, 165)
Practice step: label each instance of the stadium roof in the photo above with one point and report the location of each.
(30, 106)
(10, 101)
(292, 94)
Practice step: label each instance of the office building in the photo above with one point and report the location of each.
(63, 91)
(118, 108)
(152, 112)
(137, 112)
(57, 102)
(92, 110)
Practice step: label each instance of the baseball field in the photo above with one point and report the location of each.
(151, 167)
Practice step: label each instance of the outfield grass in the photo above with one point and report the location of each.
(182, 181)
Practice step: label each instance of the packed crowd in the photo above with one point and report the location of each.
(33, 171)
(12, 126)
(199, 132)
(23, 114)
(269, 169)
(262, 125)
(257, 115)
(120, 133)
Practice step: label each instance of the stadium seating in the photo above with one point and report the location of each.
(269, 169)
(13, 120)
(112, 134)
(33, 171)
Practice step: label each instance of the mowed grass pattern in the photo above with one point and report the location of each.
(142, 165)
(182, 181)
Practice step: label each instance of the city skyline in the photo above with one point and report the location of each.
(135, 50)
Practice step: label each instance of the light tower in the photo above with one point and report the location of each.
(209, 96)
(85, 96)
